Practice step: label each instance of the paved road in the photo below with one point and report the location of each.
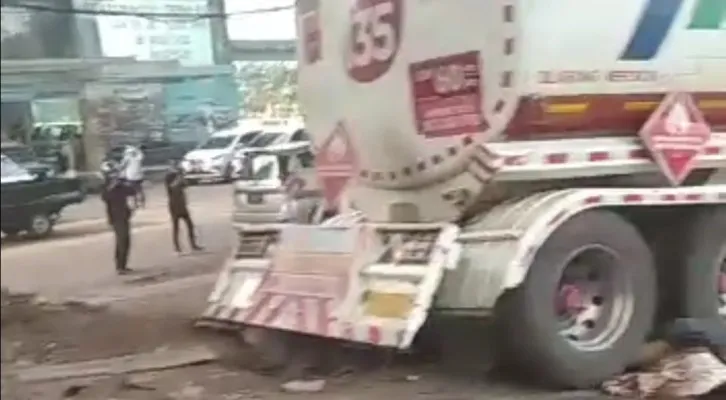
(93, 208)
(79, 255)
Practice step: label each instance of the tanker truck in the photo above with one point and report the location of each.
(554, 166)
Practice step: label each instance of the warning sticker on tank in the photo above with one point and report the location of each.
(311, 37)
(447, 95)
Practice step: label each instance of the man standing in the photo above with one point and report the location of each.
(133, 173)
(178, 210)
(115, 194)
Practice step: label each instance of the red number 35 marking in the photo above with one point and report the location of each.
(375, 36)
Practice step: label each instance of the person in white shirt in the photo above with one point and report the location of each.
(133, 173)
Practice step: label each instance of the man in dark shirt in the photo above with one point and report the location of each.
(178, 209)
(116, 196)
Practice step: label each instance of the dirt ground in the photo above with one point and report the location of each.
(52, 334)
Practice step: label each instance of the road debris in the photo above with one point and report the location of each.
(303, 386)
(143, 362)
(689, 362)
(188, 392)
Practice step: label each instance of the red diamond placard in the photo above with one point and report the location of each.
(675, 134)
(336, 162)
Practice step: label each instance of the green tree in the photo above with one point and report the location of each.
(266, 84)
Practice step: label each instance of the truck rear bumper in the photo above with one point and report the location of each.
(337, 282)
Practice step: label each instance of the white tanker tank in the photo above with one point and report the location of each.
(417, 86)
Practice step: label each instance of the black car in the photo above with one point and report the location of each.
(32, 202)
(26, 158)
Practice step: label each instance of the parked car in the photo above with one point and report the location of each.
(212, 159)
(32, 202)
(25, 157)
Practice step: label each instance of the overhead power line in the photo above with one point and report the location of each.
(141, 14)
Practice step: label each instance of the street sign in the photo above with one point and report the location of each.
(336, 163)
(675, 134)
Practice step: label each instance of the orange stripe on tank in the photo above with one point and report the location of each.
(602, 114)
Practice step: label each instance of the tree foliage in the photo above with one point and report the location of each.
(267, 84)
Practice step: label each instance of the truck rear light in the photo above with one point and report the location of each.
(254, 245)
(408, 247)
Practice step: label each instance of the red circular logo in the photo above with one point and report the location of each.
(375, 36)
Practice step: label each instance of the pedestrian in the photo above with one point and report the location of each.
(178, 210)
(133, 173)
(116, 195)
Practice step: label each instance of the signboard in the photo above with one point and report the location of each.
(676, 134)
(188, 40)
(336, 162)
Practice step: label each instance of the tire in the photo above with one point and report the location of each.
(228, 171)
(39, 226)
(528, 323)
(191, 182)
(703, 256)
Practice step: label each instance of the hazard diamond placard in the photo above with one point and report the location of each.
(336, 162)
(675, 134)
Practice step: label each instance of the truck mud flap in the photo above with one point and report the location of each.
(364, 283)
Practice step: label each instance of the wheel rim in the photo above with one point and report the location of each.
(40, 224)
(721, 282)
(595, 298)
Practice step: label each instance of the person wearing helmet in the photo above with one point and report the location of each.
(115, 195)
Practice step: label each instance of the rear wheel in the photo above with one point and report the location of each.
(228, 172)
(703, 268)
(40, 225)
(586, 306)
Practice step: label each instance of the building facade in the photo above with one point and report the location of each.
(154, 81)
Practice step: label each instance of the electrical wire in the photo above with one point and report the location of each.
(149, 15)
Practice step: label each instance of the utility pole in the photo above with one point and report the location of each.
(218, 27)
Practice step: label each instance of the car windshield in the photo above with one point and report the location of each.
(265, 139)
(19, 154)
(217, 142)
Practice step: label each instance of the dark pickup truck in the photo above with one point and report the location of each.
(32, 202)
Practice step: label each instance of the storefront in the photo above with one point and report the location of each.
(160, 106)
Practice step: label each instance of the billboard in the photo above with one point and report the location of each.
(187, 39)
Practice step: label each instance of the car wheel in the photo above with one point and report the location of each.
(228, 171)
(40, 225)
